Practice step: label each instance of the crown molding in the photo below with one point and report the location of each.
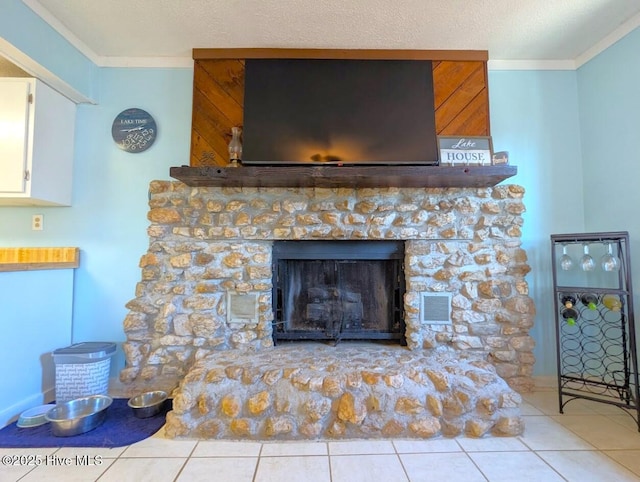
(531, 65)
(184, 62)
(624, 29)
(147, 62)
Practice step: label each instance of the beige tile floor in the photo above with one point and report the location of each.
(589, 442)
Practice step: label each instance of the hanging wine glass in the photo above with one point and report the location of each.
(566, 263)
(609, 262)
(586, 262)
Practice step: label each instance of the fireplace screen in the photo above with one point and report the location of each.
(338, 290)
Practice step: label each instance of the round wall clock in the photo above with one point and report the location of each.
(134, 130)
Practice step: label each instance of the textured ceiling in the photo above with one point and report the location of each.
(508, 29)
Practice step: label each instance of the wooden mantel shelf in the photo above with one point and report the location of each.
(344, 176)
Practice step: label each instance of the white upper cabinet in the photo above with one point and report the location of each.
(37, 127)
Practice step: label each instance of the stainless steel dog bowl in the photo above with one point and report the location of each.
(34, 417)
(78, 416)
(148, 404)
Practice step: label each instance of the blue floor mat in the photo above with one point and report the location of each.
(120, 427)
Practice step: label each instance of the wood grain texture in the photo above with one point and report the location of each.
(26, 259)
(461, 98)
(460, 93)
(218, 99)
(346, 176)
(473, 120)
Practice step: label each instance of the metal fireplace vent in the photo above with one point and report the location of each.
(242, 308)
(435, 308)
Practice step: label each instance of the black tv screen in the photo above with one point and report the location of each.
(320, 111)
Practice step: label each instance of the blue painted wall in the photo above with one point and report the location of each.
(534, 115)
(609, 96)
(35, 319)
(559, 128)
(107, 220)
(108, 217)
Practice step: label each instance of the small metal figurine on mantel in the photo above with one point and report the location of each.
(235, 147)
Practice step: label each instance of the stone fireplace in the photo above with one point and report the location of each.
(206, 312)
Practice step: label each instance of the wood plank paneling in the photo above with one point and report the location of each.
(450, 76)
(214, 129)
(461, 99)
(225, 94)
(229, 75)
(218, 95)
(473, 120)
(460, 93)
(202, 152)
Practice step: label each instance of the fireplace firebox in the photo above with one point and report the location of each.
(338, 290)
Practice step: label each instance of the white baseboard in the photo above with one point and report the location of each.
(10, 414)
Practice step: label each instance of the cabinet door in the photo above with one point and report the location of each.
(14, 134)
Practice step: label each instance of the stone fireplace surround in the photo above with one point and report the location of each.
(463, 377)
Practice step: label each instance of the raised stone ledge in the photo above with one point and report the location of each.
(353, 390)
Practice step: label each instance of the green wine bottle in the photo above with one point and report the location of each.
(590, 301)
(570, 316)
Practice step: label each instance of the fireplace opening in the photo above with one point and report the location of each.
(338, 290)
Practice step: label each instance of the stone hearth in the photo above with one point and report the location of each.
(207, 243)
(353, 390)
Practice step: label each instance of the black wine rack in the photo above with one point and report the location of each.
(596, 350)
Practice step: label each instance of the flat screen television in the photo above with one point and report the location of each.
(317, 111)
